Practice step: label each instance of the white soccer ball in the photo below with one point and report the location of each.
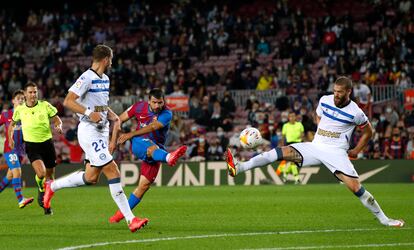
(250, 138)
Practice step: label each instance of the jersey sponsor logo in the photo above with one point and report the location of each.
(327, 133)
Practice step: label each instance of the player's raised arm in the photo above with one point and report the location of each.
(71, 103)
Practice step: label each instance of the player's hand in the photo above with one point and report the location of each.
(95, 117)
(124, 137)
(353, 154)
(59, 129)
(112, 147)
(11, 143)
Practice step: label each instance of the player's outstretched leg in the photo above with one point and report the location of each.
(73, 180)
(4, 183)
(369, 202)
(173, 157)
(260, 160)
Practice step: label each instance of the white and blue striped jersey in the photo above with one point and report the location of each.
(93, 92)
(337, 124)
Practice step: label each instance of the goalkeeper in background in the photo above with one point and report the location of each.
(292, 132)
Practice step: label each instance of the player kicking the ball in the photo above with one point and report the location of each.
(148, 140)
(337, 116)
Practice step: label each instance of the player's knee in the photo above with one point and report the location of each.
(151, 149)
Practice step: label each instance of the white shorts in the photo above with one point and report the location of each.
(95, 144)
(334, 158)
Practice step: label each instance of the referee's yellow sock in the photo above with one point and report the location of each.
(40, 183)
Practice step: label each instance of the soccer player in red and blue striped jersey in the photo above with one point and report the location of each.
(14, 156)
(148, 140)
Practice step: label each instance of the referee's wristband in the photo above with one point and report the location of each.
(88, 112)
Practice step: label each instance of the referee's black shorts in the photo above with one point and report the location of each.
(44, 151)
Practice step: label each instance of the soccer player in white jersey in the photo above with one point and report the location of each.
(88, 97)
(337, 116)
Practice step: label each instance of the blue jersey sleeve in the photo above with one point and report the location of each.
(165, 117)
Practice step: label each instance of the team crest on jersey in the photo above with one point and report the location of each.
(102, 156)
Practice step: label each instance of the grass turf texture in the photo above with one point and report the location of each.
(81, 218)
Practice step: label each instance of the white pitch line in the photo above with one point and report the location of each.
(338, 246)
(223, 235)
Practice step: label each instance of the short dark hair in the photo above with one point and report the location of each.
(157, 93)
(100, 52)
(17, 92)
(344, 81)
(29, 84)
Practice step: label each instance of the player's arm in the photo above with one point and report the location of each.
(57, 123)
(12, 125)
(317, 119)
(115, 130)
(153, 126)
(367, 133)
(71, 103)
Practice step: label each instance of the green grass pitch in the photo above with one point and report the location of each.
(325, 216)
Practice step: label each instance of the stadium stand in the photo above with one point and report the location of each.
(239, 63)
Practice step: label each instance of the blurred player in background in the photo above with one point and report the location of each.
(35, 116)
(14, 156)
(292, 132)
(337, 117)
(148, 140)
(88, 97)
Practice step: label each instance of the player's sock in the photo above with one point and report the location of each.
(160, 155)
(40, 183)
(120, 199)
(17, 186)
(133, 201)
(369, 202)
(75, 179)
(295, 171)
(260, 160)
(4, 183)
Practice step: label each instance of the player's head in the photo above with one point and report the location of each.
(102, 54)
(18, 98)
(30, 92)
(292, 117)
(156, 100)
(342, 90)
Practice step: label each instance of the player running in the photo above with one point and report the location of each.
(88, 97)
(148, 143)
(337, 116)
(14, 156)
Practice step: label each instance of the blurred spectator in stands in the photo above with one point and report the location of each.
(362, 95)
(223, 140)
(227, 103)
(252, 115)
(265, 81)
(410, 147)
(199, 149)
(215, 150)
(263, 47)
(331, 59)
(217, 116)
(176, 131)
(391, 115)
(221, 40)
(403, 80)
(395, 146)
(75, 150)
